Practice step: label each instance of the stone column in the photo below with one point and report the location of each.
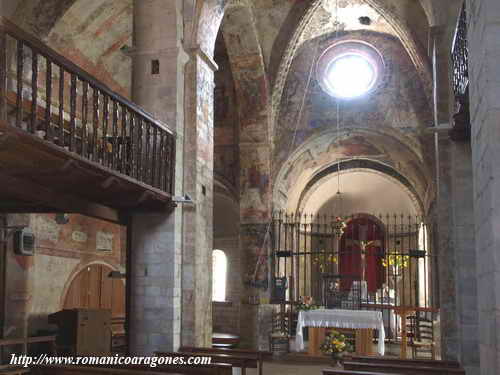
(484, 90)
(458, 290)
(465, 256)
(198, 183)
(450, 348)
(252, 90)
(155, 240)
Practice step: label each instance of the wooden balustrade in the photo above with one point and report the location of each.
(47, 95)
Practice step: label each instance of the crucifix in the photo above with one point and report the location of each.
(363, 244)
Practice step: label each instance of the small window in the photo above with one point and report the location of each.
(219, 275)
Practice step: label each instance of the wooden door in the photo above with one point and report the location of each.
(93, 289)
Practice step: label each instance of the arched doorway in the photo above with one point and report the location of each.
(92, 288)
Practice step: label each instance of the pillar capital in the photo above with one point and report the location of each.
(197, 51)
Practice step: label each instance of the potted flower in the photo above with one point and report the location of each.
(305, 304)
(335, 345)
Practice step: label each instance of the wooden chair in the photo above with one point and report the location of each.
(421, 335)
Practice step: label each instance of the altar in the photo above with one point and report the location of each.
(364, 322)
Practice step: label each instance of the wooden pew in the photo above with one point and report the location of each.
(334, 371)
(84, 370)
(212, 369)
(12, 370)
(417, 362)
(256, 354)
(407, 369)
(243, 361)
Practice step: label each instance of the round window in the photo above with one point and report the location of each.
(350, 69)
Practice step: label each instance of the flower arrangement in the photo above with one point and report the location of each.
(335, 344)
(396, 260)
(339, 226)
(323, 260)
(306, 304)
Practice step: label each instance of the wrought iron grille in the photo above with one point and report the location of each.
(376, 262)
(460, 56)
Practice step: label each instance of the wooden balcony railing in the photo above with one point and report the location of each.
(48, 96)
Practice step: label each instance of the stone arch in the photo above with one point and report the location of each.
(353, 165)
(38, 17)
(78, 269)
(325, 150)
(209, 14)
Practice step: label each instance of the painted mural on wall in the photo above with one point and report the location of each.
(256, 240)
(226, 119)
(35, 284)
(385, 125)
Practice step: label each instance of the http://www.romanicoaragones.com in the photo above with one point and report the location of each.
(115, 360)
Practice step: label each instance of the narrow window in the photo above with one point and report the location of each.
(219, 272)
(155, 67)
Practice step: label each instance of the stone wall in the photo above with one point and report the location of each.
(36, 285)
(484, 73)
(226, 315)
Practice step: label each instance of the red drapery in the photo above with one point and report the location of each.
(362, 229)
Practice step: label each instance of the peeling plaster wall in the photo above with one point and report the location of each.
(36, 284)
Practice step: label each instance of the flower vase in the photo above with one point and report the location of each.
(337, 360)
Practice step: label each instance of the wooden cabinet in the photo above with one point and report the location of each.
(83, 332)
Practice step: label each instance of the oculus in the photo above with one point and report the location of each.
(350, 69)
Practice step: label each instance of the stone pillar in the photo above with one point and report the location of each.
(458, 289)
(465, 256)
(198, 183)
(155, 240)
(450, 348)
(252, 90)
(484, 90)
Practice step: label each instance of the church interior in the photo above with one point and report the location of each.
(285, 186)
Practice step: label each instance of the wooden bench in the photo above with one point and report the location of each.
(80, 370)
(256, 354)
(13, 370)
(243, 361)
(407, 369)
(212, 369)
(224, 340)
(334, 371)
(24, 341)
(417, 362)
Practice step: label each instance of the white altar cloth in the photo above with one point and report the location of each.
(354, 319)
